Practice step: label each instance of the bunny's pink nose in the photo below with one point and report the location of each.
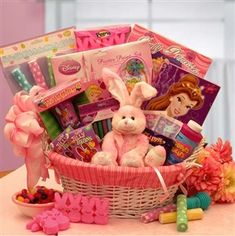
(126, 122)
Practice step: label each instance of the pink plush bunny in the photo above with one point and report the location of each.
(125, 144)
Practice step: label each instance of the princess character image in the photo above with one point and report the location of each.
(181, 97)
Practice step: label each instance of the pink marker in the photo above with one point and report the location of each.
(37, 74)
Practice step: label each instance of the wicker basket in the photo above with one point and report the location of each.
(131, 191)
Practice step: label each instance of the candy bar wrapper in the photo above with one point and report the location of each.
(164, 49)
(19, 56)
(158, 139)
(101, 37)
(132, 61)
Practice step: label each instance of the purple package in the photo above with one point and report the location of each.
(84, 143)
(66, 115)
(61, 144)
(81, 143)
(97, 111)
(182, 95)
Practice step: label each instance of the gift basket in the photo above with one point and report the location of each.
(117, 113)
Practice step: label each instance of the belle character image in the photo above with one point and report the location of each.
(181, 97)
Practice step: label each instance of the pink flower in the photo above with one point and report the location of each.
(221, 152)
(226, 190)
(206, 178)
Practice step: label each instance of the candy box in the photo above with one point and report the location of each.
(101, 37)
(80, 144)
(132, 61)
(61, 144)
(163, 48)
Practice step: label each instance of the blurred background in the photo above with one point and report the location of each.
(204, 25)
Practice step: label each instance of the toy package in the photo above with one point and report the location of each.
(132, 61)
(164, 49)
(101, 37)
(28, 62)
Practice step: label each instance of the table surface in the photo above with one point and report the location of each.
(218, 219)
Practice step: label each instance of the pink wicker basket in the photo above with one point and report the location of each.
(132, 191)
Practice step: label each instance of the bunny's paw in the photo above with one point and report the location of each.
(104, 159)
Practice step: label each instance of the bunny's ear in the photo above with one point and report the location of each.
(142, 92)
(116, 86)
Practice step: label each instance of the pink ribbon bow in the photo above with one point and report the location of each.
(24, 132)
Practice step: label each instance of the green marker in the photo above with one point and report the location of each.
(100, 129)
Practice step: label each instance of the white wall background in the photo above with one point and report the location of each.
(204, 25)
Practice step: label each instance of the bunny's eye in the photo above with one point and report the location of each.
(123, 117)
(133, 118)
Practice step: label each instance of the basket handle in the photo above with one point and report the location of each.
(164, 187)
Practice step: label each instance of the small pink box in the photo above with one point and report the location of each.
(52, 97)
(132, 61)
(101, 37)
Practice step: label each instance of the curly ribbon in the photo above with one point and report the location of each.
(24, 132)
